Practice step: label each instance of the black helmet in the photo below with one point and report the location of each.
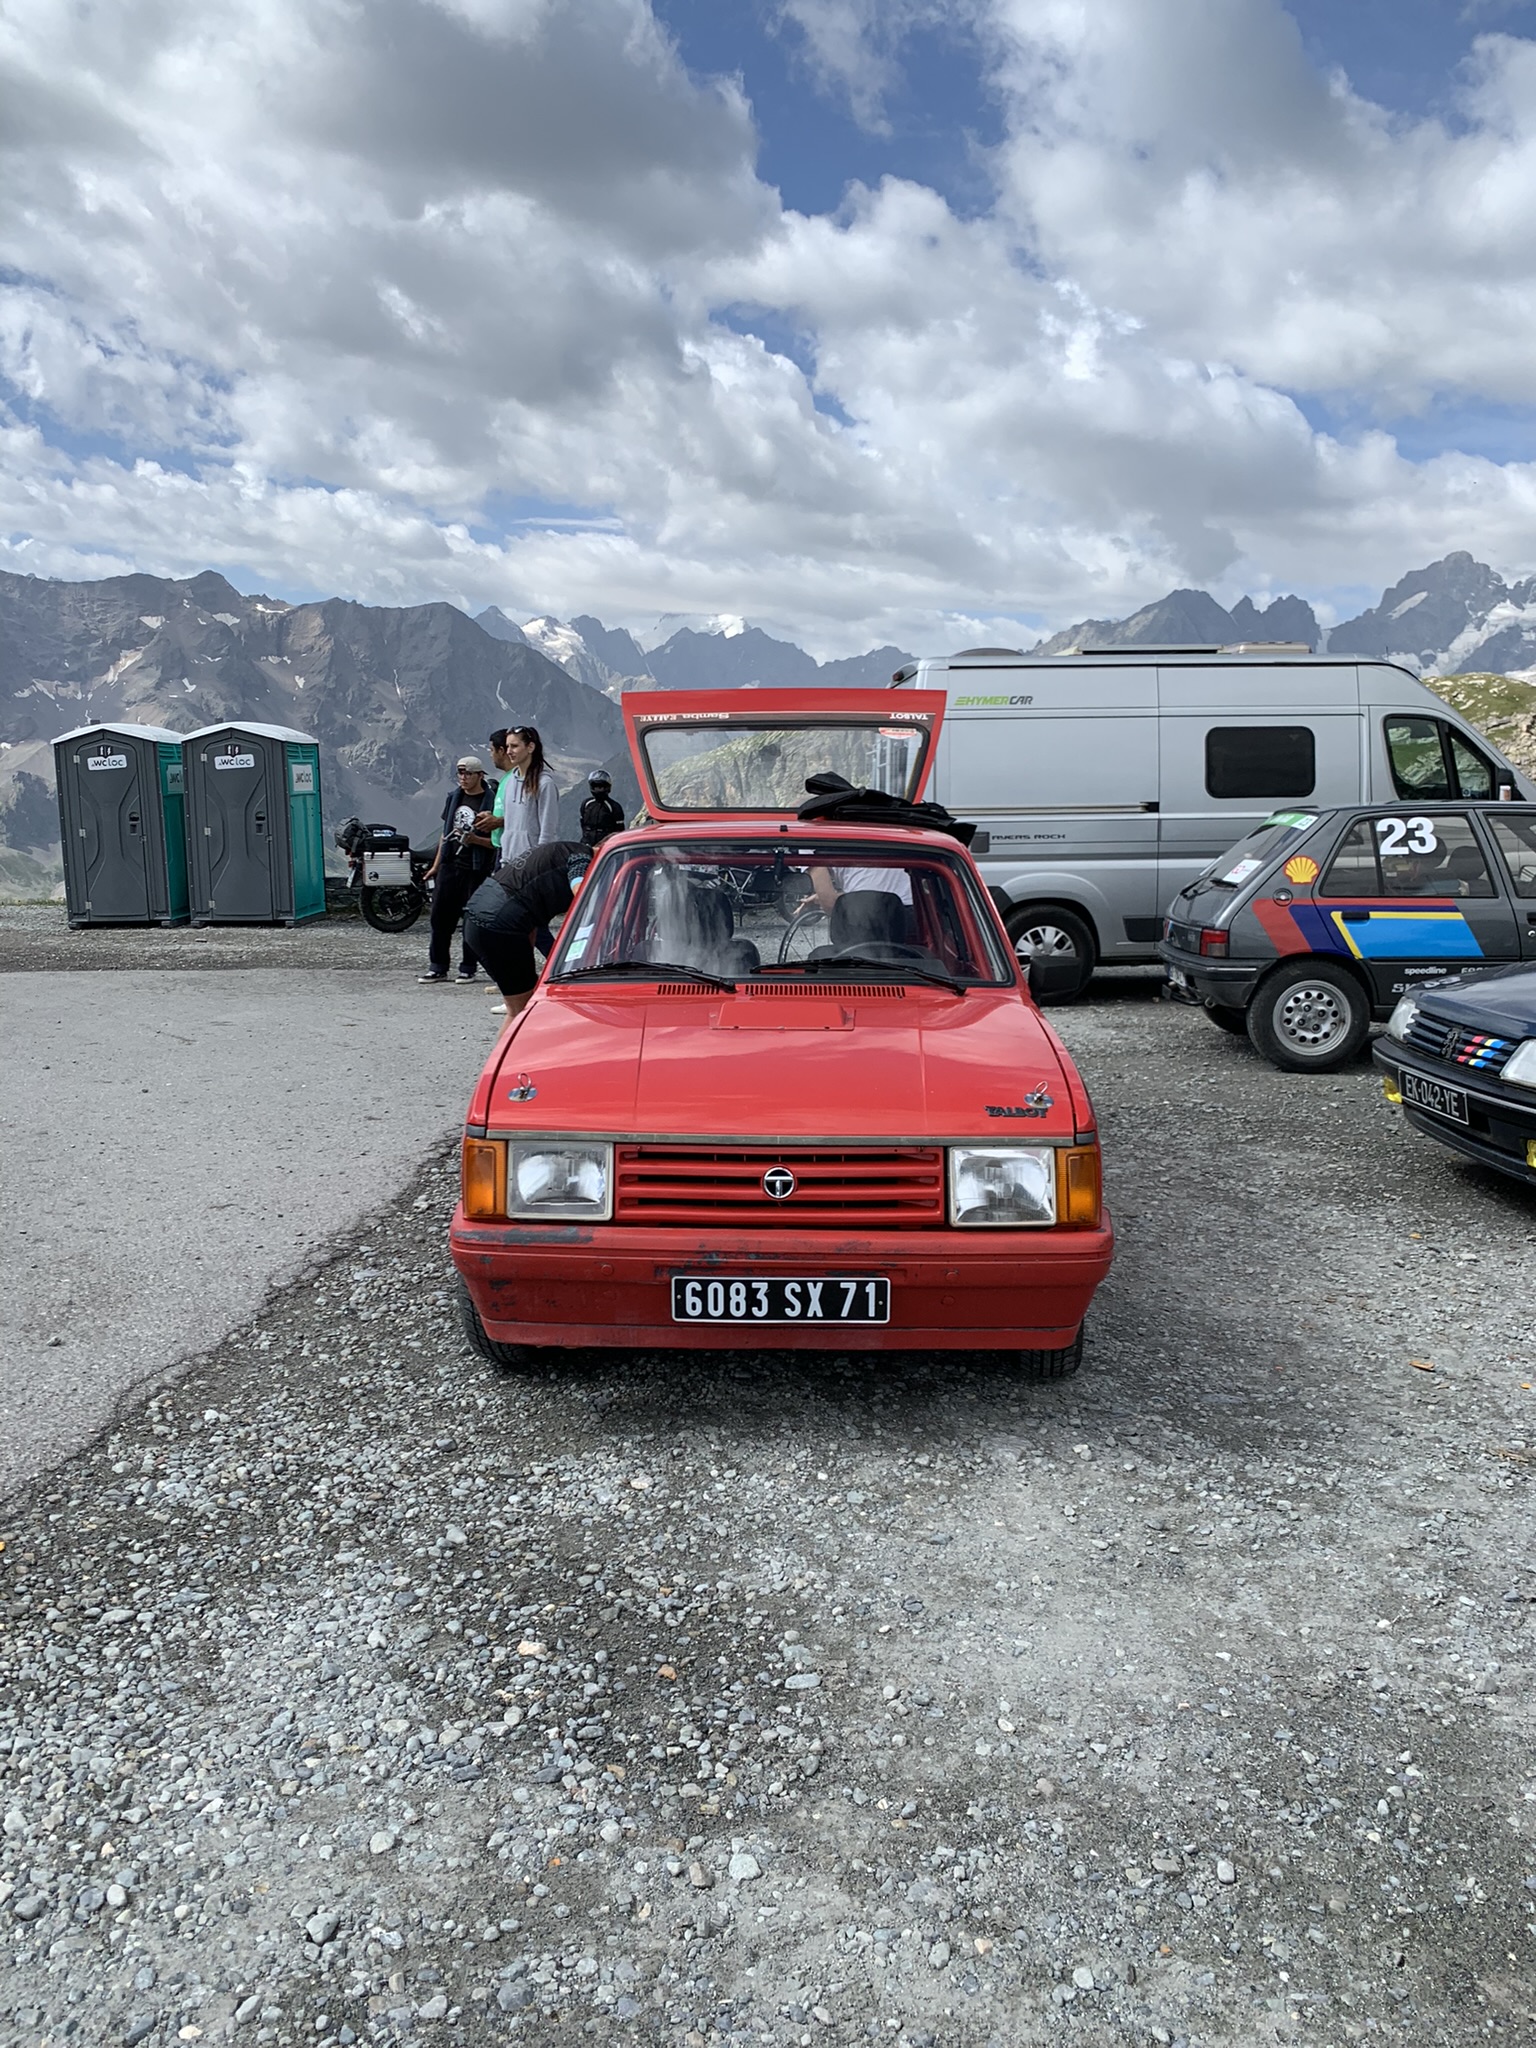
(600, 779)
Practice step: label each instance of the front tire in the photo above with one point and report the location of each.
(392, 910)
(1309, 1017)
(511, 1357)
(1048, 1365)
(1058, 934)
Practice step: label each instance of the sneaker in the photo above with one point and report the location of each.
(431, 976)
(463, 976)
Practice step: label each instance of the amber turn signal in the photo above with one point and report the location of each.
(1078, 1202)
(483, 1179)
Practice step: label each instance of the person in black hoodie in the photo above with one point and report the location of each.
(518, 900)
(462, 863)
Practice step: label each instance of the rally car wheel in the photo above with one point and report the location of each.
(1228, 1017)
(1309, 1017)
(512, 1356)
(1058, 935)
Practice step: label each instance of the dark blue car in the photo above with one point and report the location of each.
(1461, 1059)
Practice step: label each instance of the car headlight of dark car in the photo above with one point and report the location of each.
(1520, 1067)
(1400, 1022)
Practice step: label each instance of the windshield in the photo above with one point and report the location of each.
(1264, 844)
(694, 767)
(803, 912)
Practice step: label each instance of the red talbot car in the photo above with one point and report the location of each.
(782, 1083)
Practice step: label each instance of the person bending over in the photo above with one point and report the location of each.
(516, 902)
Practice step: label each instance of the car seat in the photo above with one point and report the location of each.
(868, 917)
(1466, 870)
(707, 938)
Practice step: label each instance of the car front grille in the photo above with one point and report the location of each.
(1459, 1045)
(865, 1188)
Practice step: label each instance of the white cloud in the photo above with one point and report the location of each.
(319, 289)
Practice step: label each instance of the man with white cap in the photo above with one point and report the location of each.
(462, 862)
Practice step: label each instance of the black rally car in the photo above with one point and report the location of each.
(1460, 1058)
(1320, 920)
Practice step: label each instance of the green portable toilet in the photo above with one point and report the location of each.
(255, 850)
(122, 824)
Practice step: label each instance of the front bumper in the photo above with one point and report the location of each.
(1500, 1133)
(609, 1285)
(1225, 983)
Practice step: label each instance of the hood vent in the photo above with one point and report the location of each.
(817, 987)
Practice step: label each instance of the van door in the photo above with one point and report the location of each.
(1062, 776)
(1512, 827)
(1238, 743)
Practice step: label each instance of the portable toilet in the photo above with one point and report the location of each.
(255, 850)
(122, 824)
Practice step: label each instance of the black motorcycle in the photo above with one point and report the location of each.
(388, 874)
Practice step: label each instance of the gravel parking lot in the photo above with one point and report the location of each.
(355, 1691)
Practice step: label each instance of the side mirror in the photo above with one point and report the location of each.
(1053, 975)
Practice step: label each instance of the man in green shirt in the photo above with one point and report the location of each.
(488, 824)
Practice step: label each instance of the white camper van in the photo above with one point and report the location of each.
(1102, 782)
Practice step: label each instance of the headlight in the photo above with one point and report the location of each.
(1520, 1067)
(1002, 1184)
(1402, 1018)
(554, 1179)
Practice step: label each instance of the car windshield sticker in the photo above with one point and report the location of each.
(1294, 821)
(1407, 835)
(1301, 867)
(1242, 871)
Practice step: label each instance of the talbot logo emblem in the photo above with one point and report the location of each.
(1035, 1104)
(778, 1183)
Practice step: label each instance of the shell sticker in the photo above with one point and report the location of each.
(1301, 867)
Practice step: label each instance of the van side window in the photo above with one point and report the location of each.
(1353, 871)
(1474, 772)
(1418, 759)
(1517, 842)
(1260, 760)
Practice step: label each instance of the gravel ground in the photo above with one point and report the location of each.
(37, 936)
(357, 1692)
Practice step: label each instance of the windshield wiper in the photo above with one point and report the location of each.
(847, 960)
(658, 970)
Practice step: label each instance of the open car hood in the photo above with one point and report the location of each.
(702, 754)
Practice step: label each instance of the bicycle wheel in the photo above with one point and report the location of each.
(803, 935)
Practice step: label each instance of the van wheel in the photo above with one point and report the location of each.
(1309, 1017)
(1058, 934)
(1228, 1017)
(513, 1357)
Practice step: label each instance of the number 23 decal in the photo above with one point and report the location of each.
(1407, 835)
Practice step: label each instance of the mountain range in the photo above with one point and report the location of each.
(394, 695)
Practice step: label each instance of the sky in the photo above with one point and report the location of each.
(923, 321)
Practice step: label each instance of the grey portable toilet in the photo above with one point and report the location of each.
(255, 849)
(122, 824)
